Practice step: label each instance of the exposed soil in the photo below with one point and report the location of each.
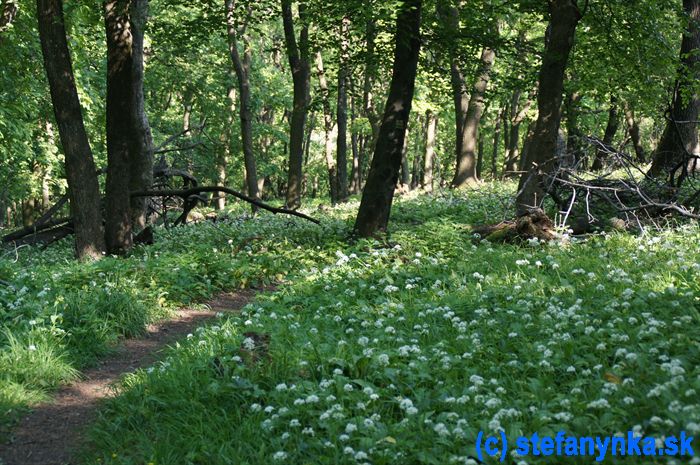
(52, 432)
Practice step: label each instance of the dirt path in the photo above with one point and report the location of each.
(52, 432)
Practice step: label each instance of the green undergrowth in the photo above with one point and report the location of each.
(58, 316)
(400, 351)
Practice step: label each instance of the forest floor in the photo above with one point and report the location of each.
(52, 432)
(385, 351)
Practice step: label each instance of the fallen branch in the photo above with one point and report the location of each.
(187, 193)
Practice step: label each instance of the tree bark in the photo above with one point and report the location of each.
(679, 141)
(328, 128)
(541, 161)
(633, 128)
(465, 172)
(81, 172)
(610, 131)
(141, 156)
(378, 193)
(574, 143)
(8, 13)
(241, 66)
(431, 131)
(355, 141)
(298, 55)
(225, 156)
(120, 98)
(405, 168)
(342, 110)
(496, 144)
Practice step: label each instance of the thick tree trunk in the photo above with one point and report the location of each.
(81, 173)
(342, 109)
(465, 172)
(430, 133)
(141, 157)
(120, 98)
(328, 129)
(298, 55)
(679, 142)
(541, 159)
(241, 66)
(610, 131)
(633, 128)
(378, 193)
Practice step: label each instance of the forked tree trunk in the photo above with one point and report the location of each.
(120, 98)
(81, 172)
(430, 133)
(465, 171)
(328, 129)
(378, 193)
(241, 66)
(680, 138)
(298, 55)
(541, 159)
(141, 156)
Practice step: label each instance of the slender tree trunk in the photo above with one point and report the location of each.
(8, 13)
(299, 64)
(541, 159)
(465, 172)
(633, 128)
(378, 193)
(81, 172)
(431, 131)
(225, 157)
(141, 156)
(610, 131)
(241, 66)
(355, 142)
(342, 152)
(679, 141)
(120, 98)
(517, 116)
(480, 157)
(496, 144)
(574, 143)
(328, 128)
(47, 169)
(405, 168)
(368, 142)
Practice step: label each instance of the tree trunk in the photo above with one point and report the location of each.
(120, 98)
(574, 143)
(299, 64)
(633, 128)
(8, 13)
(225, 157)
(541, 159)
(517, 116)
(355, 172)
(342, 109)
(368, 142)
(610, 131)
(465, 172)
(496, 144)
(431, 131)
(378, 193)
(241, 66)
(141, 157)
(679, 141)
(328, 129)
(81, 173)
(405, 168)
